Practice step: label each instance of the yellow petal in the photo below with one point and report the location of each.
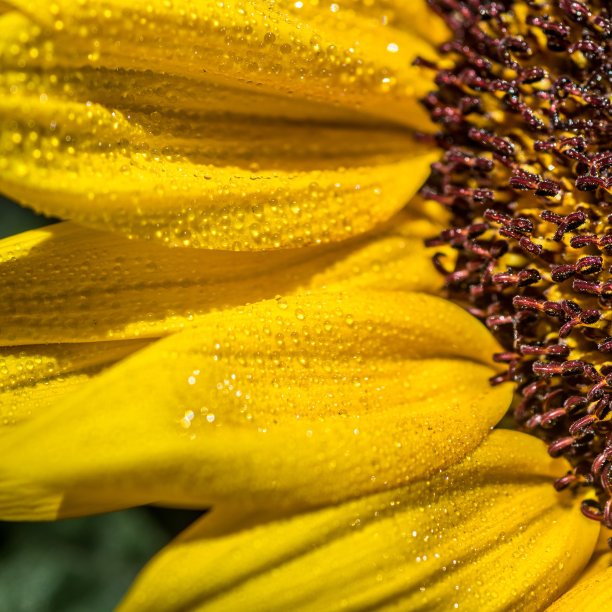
(214, 125)
(601, 559)
(337, 56)
(488, 534)
(32, 378)
(414, 16)
(70, 284)
(592, 594)
(283, 404)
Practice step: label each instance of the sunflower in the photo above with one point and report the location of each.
(242, 314)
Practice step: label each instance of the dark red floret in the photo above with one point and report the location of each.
(524, 113)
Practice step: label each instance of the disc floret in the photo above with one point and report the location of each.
(524, 112)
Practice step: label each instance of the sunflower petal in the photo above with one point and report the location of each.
(414, 16)
(71, 284)
(32, 378)
(595, 593)
(488, 534)
(215, 125)
(310, 52)
(284, 404)
(601, 559)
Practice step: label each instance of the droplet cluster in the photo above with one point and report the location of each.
(210, 125)
(524, 109)
(68, 283)
(435, 544)
(33, 378)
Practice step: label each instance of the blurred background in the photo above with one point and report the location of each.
(14, 219)
(76, 565)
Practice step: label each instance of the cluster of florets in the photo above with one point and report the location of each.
(524, 109)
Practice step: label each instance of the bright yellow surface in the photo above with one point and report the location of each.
(231, 126)
(592, 595)
(488, 534)
(601, 559)
(66, 283)
(281, 405)
(33, 378)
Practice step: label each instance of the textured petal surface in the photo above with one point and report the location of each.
(65, 283)
(601, 559)
(488, 534)
(592, 594)
(218, 125)
(284, 404)
(33, 378)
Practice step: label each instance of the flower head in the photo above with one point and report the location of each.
(334, 416)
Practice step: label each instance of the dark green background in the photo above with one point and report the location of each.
(15, 219)
(76, 565)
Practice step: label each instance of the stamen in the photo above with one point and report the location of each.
(525, 121)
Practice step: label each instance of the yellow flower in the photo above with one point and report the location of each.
(340, 433)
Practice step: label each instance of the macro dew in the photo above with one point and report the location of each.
(258, 306)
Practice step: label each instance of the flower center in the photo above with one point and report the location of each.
(524, 110)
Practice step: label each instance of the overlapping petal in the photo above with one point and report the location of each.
(595, 593)
(216, 125)
(285, 50)
(602, 556)
(281, 405)
(33, 378)
(593, 589)
(487, 534)
(66, 283)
